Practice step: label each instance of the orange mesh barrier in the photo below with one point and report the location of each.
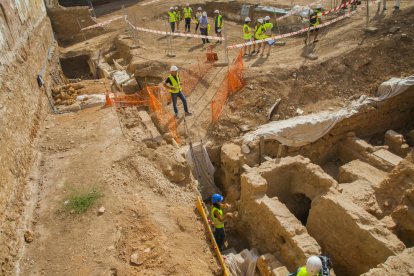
(231, 84)
(192, 76)
(138, 99)
(165, 117)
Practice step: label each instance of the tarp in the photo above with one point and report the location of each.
(303, 130)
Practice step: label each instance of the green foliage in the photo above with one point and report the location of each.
(79, 201)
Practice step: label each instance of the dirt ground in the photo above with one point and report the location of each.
(145, 212)
(148, 209)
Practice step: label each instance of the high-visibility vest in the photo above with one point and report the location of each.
(303, 272)
(177, 15)
(171, 16)
(216, 222)
(268, 29)
(218, 21)
(176, 84)
(259, 32)
(208, 27)
(314, 20)
(247, 32)
(187, 12)
(197, 17)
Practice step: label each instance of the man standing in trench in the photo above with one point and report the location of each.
(217, 219)
(173, 83)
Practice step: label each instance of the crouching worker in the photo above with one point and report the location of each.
(315, 266)
(217, 219)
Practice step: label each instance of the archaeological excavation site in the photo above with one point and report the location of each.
(234, 138)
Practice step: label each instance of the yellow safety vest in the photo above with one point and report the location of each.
(197, 17)
(267, 26)
(216, 222)
(175, 83)
(247, 32)
(178, 15)
(258, 33)
(303, 272)
(208, 27)
(187, 12)
(218, 20)
(172, 16)
(314, 20)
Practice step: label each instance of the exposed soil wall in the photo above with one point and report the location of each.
(22, 108)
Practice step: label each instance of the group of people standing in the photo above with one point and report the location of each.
(175, 15)
(262, 30)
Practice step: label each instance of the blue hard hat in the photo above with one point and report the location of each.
(216, 198)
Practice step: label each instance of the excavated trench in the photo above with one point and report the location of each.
(76, 67)
(355, 185)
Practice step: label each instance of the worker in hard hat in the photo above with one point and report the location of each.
(313, 268)
(187, 11)
(247, 35)
(198, 14)
(268, 26)
(259, 34)
(173, 83)
(204, 26)
(218, 218)
(314, 22)
(177, 17)
(218, 24)
(172, 19)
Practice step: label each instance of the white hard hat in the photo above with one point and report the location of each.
(247, 19)
(260, 20)
(173, 68)
(313, 265)
(319, 6)
(204, 13)
(171, 8)
(199, 9)
(216, 11)
(176, 8)
(187, 4)
(267, 17)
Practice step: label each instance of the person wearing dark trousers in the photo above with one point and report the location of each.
(217, 219)
(173, 83)
(172, 18)
(187, 11)
(204, 27)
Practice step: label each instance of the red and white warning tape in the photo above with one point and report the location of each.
(337, 8)
(235, 46)
(101, 24)
(173, 34)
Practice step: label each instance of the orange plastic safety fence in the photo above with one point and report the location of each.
(231, 84)
(192, 76)
(163, 96)
(138, 99)
(166, 118)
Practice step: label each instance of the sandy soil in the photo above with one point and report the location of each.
(145, 212)
(148, 213)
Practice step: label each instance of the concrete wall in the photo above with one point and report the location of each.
(26, 50)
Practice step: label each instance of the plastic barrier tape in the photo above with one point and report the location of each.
(103, 23)
(292, 33)
(173, 34)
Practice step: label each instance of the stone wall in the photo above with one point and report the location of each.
(26, 51)
(354, 239)
(376, 118)
(267, 222)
